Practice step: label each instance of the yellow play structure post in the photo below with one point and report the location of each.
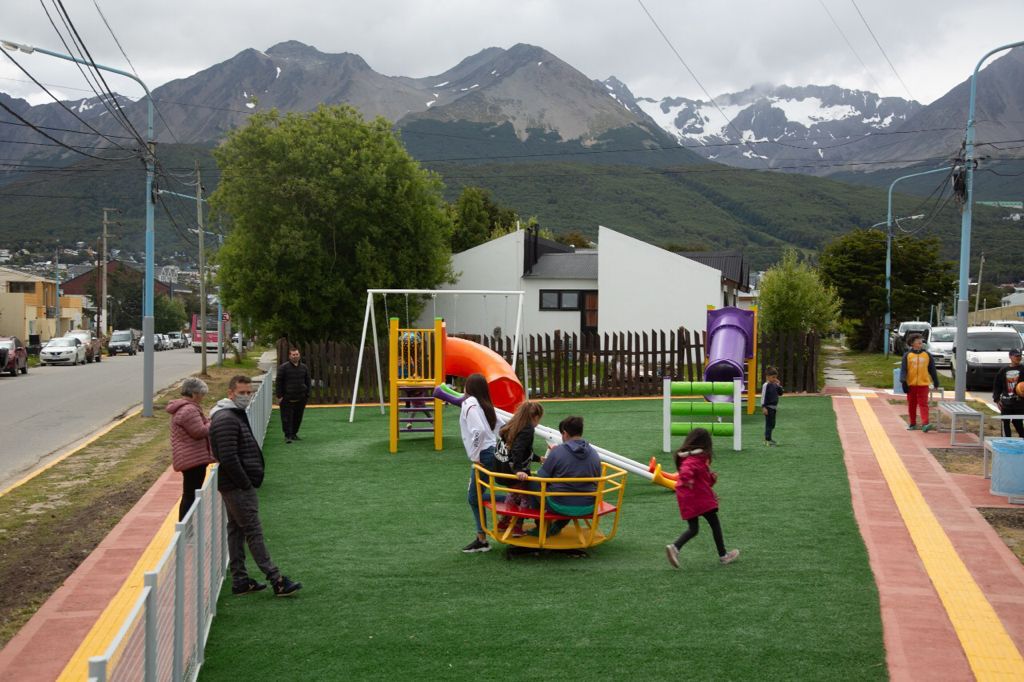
(752, 369)
(415, 363)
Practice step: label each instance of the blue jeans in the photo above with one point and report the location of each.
(487, 462)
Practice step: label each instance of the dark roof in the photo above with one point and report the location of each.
(569, 265)
(731, 264)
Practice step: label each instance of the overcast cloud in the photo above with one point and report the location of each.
(730, 45)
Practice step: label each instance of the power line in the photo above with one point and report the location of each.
(850, 45)
(125, 55)
(54, 139)
(881, 49)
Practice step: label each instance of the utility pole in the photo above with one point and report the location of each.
(202, 268)
(56, 274)
(977, 294)
(103, 295)
(97, 285)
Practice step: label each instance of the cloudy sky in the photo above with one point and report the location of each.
(729, 45)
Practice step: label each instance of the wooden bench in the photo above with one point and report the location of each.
(957, 410)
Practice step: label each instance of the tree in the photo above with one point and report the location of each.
(324, 206)
(793, 298)
(168, 314)
(478, 218)
(574, 238)
(855, 265)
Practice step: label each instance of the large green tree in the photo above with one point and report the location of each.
(478, 218)
(168, 314)
(793, 298)
(324, 205)
(855, 265)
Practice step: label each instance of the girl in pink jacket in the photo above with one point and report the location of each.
(695, 496)
(190, 442)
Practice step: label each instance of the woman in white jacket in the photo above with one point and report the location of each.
(479, 425)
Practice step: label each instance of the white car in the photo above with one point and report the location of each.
(67, 350)
(940, 345)
(177, 339)
(988, 350)
(1017, 325)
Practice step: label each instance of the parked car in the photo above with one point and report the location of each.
(66, 350)
(988, 349)
(898, 340)
(165, 342)
(13, 356)
(123, 341)
(93, 346)
(1017, 325)
(177, 339)
(940, 345)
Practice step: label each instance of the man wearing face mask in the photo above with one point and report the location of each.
(241, 473)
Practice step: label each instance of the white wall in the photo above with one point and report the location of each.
(646, 287)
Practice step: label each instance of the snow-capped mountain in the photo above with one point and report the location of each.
(775, 126)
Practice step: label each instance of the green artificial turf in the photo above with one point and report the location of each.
(375, 540)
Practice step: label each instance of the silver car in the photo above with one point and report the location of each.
(67, 350)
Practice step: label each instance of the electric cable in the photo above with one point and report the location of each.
(18, 116)
(882, 49)
(878, 88)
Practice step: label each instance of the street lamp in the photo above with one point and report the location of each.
(147, 306)
(960, 388)
(888, 253)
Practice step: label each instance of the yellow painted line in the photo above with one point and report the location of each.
(990, 651)
(110, 621)
(92, 439)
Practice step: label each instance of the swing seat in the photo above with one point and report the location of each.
(581, 532)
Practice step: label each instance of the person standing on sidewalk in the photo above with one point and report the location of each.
(293, 386)
(241, 473)
(190, 443)
(917, 372)
(1004, 393)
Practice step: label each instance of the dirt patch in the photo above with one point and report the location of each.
(52, 523)
(1009, 523)
(959, 460)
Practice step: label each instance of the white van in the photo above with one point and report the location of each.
(988, 349)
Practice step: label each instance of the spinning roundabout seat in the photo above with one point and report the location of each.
(598, 525)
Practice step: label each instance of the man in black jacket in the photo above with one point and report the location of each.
(293, 386)
(240, 474)
(1004, 393)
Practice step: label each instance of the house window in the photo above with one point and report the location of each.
(559, 300)
(21, 287)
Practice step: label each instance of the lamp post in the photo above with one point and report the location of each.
(147, 306)
(888, 253)
(960, 360)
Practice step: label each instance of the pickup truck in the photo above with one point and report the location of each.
(93, 346)
(898, 342)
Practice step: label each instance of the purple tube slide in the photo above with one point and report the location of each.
(730, 343)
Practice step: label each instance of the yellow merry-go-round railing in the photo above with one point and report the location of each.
(579, 532)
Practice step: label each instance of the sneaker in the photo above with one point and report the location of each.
(912, 427)
(503, 524)
(248, 586)
(767, 443)
(729, 556)
(284, 587)
(672, 552)
(556, 527)
(477, 546)
(927, 427)
(773, 443)
(518, 531)
(287, 441)
(296, 437)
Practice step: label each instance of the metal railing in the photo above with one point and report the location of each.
(165, 633)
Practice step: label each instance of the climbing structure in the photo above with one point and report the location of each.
(415, 368)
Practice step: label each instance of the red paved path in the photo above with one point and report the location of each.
(919, 639)
(48, 641)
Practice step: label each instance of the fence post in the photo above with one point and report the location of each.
(150, 581)
(199, 508)
(97, 669)
(178, 654)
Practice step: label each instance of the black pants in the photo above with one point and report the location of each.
(769, 424)
(291, 416)
(244, 528)
(191, 481)
(1018, 424)
(693, 529)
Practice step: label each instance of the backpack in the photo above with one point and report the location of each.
(502, 457)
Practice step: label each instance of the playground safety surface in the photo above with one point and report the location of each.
(951, 592)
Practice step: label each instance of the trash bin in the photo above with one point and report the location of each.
(897, 387)
(1007, 467)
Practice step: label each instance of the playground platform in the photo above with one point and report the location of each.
(951, 593)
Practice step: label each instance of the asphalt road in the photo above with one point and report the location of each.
(45, 411)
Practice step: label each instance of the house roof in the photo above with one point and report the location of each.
(731, 264)
(7, 274)
(572, 265)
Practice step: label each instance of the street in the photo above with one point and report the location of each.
(52, 407)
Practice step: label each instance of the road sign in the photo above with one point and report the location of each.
(226, 317)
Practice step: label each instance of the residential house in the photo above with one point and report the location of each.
(624, 285)
(28, 306)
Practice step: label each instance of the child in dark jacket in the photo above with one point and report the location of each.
(770, 393)
(517, 438)
(695, 496)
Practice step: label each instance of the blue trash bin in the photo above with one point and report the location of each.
(897, 387)
(1007, 467)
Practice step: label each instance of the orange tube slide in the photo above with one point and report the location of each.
(462, 358)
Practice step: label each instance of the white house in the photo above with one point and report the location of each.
(624, 285)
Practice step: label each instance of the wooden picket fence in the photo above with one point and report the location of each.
(561, 365)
